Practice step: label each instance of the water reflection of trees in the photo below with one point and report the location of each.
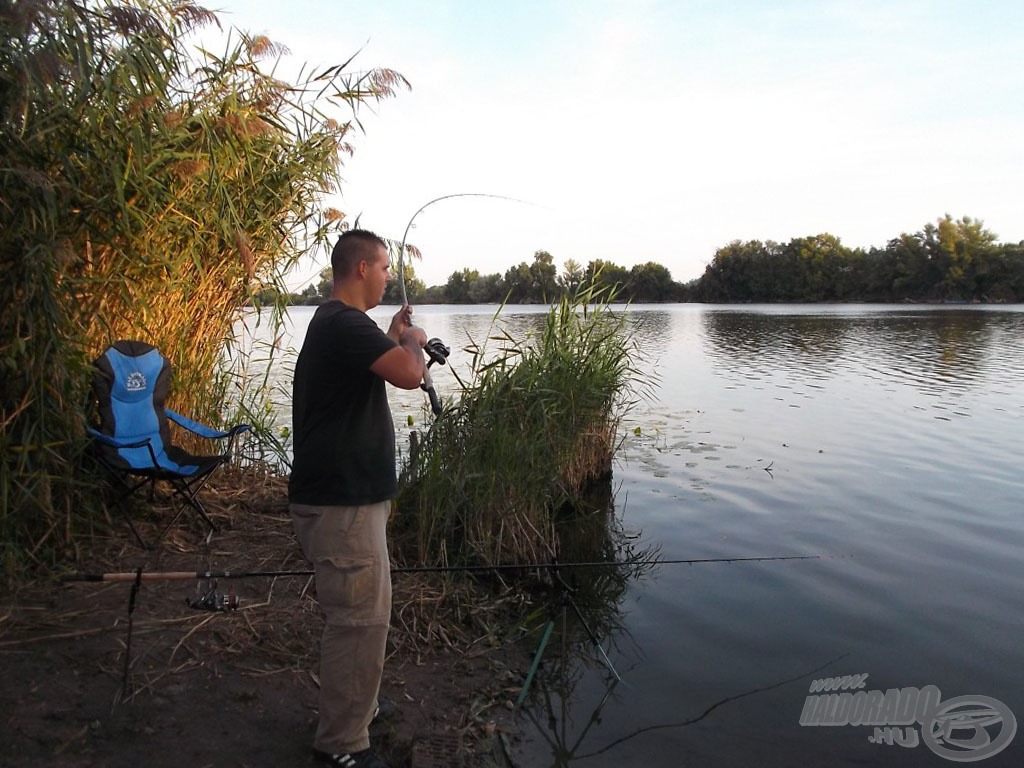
(931, 348)
(652, 330)
(771, 342)
(939, 348)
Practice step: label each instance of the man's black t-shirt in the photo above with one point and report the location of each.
(344, 437)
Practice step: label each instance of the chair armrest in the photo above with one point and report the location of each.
(201, 429)
(113, 442)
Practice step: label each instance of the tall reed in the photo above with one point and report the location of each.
(534, 427)
(147, 189)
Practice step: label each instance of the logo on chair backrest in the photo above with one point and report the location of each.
(135, 381)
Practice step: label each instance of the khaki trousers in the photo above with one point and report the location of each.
(348, 548)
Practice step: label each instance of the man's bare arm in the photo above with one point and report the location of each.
(403, 366)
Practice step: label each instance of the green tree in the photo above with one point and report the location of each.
(651, 282)
(519, 283)
(311, 295)
(572, 276)
(874, 276)
(543, 277)
(415, 289)
(999, 273)
(457, 289)
(915, 271)
(959, 246)
(325, 285)
(816, 265)
(947, 260)
(605, 275)
(739, 271)
(433, 295)
(486, 289)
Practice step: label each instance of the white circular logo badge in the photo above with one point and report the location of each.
(969, 728)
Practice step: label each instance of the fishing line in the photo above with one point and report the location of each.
(428, 384)
(401, 252)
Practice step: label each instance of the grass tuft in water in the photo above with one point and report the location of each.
(534, 427)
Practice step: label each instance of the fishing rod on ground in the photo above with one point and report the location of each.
(399, 569)
(435, 349)
(140, 575)
(212, 600)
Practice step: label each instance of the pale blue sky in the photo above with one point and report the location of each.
(662, 130)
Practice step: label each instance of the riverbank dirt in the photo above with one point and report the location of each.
(88, 682)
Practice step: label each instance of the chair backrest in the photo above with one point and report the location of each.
(131, 381)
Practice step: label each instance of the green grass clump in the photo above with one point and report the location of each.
(532, 430)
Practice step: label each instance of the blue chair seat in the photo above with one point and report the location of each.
(131, 381)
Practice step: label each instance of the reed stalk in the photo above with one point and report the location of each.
(147, 190)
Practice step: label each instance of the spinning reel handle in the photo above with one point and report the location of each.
(437, 351)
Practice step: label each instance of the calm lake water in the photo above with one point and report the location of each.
(893, 436)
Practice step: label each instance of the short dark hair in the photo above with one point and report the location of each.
(354, 246)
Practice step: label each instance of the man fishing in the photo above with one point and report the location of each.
(342, 482)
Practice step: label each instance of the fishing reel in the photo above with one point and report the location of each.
(438, 353)
(212, 600)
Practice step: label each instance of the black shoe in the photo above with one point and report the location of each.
(364, 759)
(386, 710)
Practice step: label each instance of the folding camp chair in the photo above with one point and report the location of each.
(130, 381)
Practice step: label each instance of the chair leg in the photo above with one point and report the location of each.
(188, 491)
(167, 527)
(134, 530)
(202, 513)
(190, 497)
(127, 490)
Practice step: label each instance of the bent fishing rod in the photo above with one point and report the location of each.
(401, 253)
(501, 567)
(435, 349)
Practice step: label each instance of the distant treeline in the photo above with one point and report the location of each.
(949, 261)
(541, 282)
(952, 260)
(535, 283)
